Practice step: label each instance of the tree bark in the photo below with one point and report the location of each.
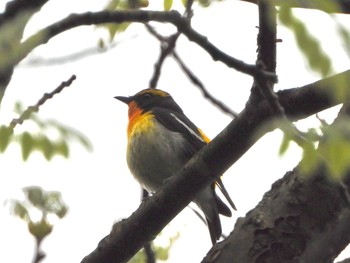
(303, 218)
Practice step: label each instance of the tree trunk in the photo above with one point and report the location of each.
(303, 218)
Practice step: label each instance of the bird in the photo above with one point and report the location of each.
(161, 140)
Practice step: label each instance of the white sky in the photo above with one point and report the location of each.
(97, 186)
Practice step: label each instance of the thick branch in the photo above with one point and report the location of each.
(267, 35)
(16, 7)
(303, 218)
(17, 12)
(173, 17)
(131, 234)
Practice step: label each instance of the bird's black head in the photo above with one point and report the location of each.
(151, 98)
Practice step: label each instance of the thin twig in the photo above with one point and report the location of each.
(189, 12)
(166, 46)
(35, 108)
(154, 32)
(39, 254)
(195, 80)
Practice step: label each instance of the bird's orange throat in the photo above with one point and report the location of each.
(138, 120)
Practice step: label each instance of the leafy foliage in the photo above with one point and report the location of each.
(40, 141)
(335, 147)
(114, 28)
(161, 252)
(46, 203)
(316, 58)
(333, 150)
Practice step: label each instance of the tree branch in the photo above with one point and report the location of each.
(16, 7)
(202, 88)
(190, 75)
(17, 12)
(35, 108)
(129, 235)
(303, 218)
(141, 16)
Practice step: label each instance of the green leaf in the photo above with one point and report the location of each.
(62, 148)
(345, 35)
(36, 196)
(167, 4)
(46, 147)
(70, 133)
(26, 145)
(62, 212)
(284, 144)
(5, 137)
(205, 3)
(55, 205)
(310, 159)
(338, 158)
(316, 58)
(20, 210)
(113, 29)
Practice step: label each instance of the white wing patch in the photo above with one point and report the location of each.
(188, 128)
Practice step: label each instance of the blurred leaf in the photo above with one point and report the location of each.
(5, 137)
(345, 36)
(167, 4)
(62, 148)
(338, 157)
(35, 196)
(113, 29)
(62, 212)
(139, 257)
(20, 210)
(55, 205)
(205, 3)
(310, 159)
(40, 229)
(316, 58)
(26, 145)
(161, 252)
(101, 44)
(46, 147)
(328, 6)
(335, 148)
(284, 144)
(71, 133)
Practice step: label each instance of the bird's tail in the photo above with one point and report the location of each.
(212, 206)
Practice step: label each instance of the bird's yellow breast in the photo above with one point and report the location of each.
(138, 121)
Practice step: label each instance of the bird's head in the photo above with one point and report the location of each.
(147, 99)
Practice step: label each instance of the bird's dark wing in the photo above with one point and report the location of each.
(178, 122)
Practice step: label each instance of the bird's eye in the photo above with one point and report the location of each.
(147, 95)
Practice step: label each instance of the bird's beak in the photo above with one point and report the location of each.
(123, 99)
